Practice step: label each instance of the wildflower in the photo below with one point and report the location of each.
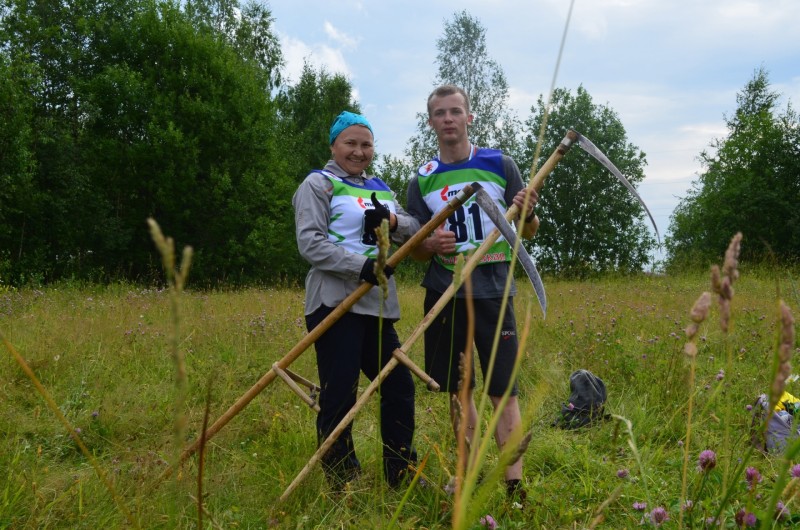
(95, 413)
(688, 505)
(780, 511)
(707, 460)
(796, 471)
(720, 375)
(750, 519)
(77, 430)
(622, 473)
(488, 522)
(711, 521)
(749, 408)
(639, 506)
(570, 406)
(450, 487)
(658, 516)
(752, 476)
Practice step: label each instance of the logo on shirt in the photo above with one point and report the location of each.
(361, 203)
(428, 168)
(446, 193)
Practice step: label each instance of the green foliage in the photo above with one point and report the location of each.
(750, 184)
(307, 110)
(590, 222)
(397, 173)
(16, 163)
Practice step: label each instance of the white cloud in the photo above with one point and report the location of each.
(339, 37)
(296, 52)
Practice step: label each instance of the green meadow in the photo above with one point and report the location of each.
(105, 356)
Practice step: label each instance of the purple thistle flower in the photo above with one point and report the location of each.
(658, 516)
(570, 406)
(781, 512)
(622, 473)
(739, 517)
(752, 476)
(707, 460)
(749, 408)
(78, 430)
(688, 505)
(95, 414)
(720, 375)
(639, 506)
(796, 471)
(489, 522)
(750, 519)
(712, 521)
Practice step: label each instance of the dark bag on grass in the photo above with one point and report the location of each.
(586, 401)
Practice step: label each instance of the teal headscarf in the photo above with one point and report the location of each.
(345, 120)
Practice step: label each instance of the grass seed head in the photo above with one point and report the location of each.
(701, 308)
(383, 251)
(731, 264)
(716, 284)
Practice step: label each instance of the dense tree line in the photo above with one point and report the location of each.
(114, 111)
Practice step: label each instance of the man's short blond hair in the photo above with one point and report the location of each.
(448, 90)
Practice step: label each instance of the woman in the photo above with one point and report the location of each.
(336, 211)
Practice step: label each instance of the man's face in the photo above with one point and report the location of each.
(353, 149)
(449, 119)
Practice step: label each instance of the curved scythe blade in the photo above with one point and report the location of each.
(489, 207)
(598, 155)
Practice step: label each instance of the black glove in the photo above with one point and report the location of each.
(374, 216)
(368, 272)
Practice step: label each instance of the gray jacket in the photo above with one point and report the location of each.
(334, 271)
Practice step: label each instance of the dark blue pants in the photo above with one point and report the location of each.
(347, 348)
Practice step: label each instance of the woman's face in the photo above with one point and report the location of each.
(353, 149)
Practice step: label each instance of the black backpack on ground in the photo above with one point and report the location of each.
(586, 401)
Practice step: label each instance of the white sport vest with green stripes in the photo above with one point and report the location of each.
(346, 227)
(439, 182)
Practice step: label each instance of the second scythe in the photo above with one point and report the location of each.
(502, 223)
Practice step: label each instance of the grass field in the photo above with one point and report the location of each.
(105, 355)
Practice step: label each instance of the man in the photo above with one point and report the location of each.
(460, 163)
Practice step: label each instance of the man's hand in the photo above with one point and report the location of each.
(531, 224)
(519, 201)
(442, 241)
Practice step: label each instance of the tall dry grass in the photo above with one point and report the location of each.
(104, 355)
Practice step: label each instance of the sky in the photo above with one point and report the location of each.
(670, 69)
